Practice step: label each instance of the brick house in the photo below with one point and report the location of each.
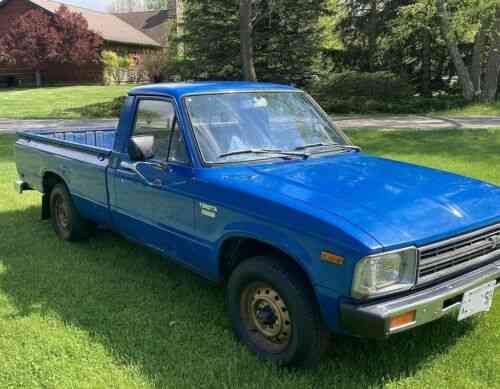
(132, 34)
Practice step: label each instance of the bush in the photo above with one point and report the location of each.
(407, 105)
(379, 85)
(154, 64)
(115, 67)
(164, 66)
(380, 92)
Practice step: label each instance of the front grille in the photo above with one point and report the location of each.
(443, 258)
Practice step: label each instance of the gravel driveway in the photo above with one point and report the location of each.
(419, 122)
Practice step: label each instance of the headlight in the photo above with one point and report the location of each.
(385, 273)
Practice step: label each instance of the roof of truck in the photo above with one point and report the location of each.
(182, 89)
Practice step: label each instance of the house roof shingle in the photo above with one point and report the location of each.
(152, 23)
(109, 26)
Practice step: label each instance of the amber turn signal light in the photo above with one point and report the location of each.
(332, 258)
(402, 320)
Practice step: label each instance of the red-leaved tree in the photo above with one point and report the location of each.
(38, 40)
(32, 41)
(77, 44)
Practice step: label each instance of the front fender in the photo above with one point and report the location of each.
(276, 237)
(303, 251)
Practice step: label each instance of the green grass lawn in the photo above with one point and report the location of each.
(475, 109)
(108, 313)
(75, 102)
(68, 102)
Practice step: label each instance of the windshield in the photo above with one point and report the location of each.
(238, 127)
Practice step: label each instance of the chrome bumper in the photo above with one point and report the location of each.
(20, 186)
(373, 320)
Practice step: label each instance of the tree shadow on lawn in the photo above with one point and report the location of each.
(104, 110)
(172, 324)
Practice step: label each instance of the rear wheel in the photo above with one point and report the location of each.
(274, 313)
(67, 222)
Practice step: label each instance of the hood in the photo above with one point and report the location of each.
(396, 203)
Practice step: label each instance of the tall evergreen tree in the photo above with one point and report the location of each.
(363, 26)
(211, 40)
(286, 38)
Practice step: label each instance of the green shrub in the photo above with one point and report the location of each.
(379, 85)
(380, 92)
(371, 105)
(407, 105)
(115, 67)
(154, 64)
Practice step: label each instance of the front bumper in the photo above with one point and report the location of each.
(373, 320)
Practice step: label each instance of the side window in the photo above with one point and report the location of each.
(151, 137)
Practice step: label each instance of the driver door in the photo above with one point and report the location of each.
(148, 204)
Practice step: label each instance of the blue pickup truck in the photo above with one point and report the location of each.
(252, 185)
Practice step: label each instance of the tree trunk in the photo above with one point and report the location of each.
(246, 40)
(372, 36)
(475, 70)
(426, 64)
(38, 78)
(456, 57)
(493, 66)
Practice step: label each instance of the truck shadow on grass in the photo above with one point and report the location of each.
(171, 324)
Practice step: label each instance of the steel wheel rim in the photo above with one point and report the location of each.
(266, 317)
(61, 213)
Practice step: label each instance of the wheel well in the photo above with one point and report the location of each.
(49, 181)
(236, 250)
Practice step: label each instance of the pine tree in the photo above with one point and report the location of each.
(286, 38)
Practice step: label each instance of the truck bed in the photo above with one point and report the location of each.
(97, 140)
(80, 158)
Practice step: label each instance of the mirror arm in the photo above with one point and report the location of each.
(132, 166)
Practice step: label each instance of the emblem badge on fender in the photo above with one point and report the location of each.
(208, 210)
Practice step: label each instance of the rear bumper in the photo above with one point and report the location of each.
(373, 320)
(20, 186)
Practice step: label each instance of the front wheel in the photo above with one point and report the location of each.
(274, 313)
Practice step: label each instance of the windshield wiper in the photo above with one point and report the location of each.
(264, 151)
(330, 145)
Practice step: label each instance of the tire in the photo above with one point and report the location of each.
(274, 313)
(67, 222)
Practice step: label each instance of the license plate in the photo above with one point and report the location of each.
(477, 300)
